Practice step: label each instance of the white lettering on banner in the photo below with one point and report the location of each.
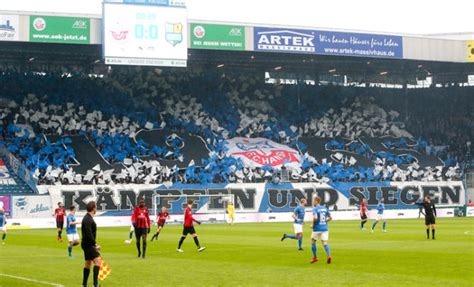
(249, 197)
(286, 41)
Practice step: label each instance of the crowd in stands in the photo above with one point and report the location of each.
(41, 111)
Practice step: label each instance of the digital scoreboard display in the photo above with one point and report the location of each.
(145, 35)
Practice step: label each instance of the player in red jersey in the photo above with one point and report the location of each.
(363, 213)
(161, 219)
(142, 225)
(59, 214)
(189, 228)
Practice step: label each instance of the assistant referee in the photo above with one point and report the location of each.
(430, 216)
(89, 245)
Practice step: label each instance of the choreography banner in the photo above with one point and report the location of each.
(257, 197)
(258, 152)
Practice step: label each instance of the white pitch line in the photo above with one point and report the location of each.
(468, 232)
(31, 280)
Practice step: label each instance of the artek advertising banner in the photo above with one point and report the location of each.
(9, 27)
(360, 45)
(327, 43)
(219, 37)
(52, 29)
(284, 40)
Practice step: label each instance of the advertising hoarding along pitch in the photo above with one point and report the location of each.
(9, 27)
(52, 29)
(327, 43)
(145, 35)
(221, 37)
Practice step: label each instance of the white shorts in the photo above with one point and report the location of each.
(323, 235)
(298, 228)
(380, 216)
(72, 237)
(4, 228)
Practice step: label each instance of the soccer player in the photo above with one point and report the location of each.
(380, 210)
(298, 217)
(89, 245)
(161, 218)
(142, 226)
(321, 217)
(363, 213)
(230, 212)
(430, 216)
(3, 224)
(59, 213)
(71, 230)
(188, 228)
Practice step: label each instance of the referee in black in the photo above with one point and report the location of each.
(430, 216)
(88, 244)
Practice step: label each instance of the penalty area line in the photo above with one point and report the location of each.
(31, 280)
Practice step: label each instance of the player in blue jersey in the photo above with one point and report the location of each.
(380, 210)
(71, 230)
(298, 221)
(3, 224)
(321, 217)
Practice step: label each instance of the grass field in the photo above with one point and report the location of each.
(252, 255)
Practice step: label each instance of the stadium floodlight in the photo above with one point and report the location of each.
(383, 73)
(332, 70)
(220, 65)
(210, 208)
(277, 68)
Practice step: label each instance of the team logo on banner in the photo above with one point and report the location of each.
(39, 24)
(257, 152)
(174, 33)
(199, 32)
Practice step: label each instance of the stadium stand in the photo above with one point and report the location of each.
(140, 125)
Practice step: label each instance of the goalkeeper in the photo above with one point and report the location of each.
(230, 212)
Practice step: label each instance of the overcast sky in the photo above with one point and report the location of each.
(402, 16)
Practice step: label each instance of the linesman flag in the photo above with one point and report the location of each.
(104, 270)
(470, 51)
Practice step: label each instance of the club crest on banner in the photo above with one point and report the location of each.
(174, 33)
(259, 152)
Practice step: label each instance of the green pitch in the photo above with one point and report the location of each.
(252, 255)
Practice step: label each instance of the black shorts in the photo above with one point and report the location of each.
(188, 230)
(161, 224)
(139, 232)
(430, 219)
(363, 216)
(60, 224)
(90, 253)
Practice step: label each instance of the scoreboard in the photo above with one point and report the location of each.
(144, 34)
